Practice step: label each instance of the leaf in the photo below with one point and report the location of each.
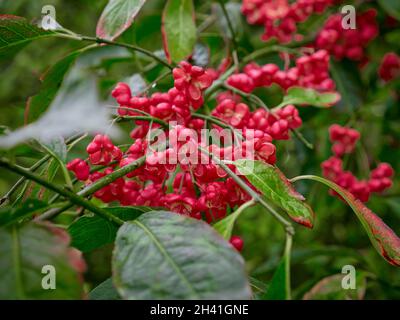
(25, 251)
(330, 288)
(277, 288)
(91, 232)
(16, 32)
(67, 115)
(275, 187)
(225, 226)
(164, 255)
(104, 291)
(311, 97)
(201, 55)
(235, 16)
(385, 241)
(52, 81)
(178, 29)
(117, 16)
(392, 7)
(348, 82)
(57, 148)
(12, 215)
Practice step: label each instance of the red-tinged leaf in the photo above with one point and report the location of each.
(275, 187)
(16, 32)
(117, 16)
(383, 238)
(178, 29)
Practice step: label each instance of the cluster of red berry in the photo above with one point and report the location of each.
(344, 140)
(348, 43)
(310, 71)
(280, 17)
(390, 67)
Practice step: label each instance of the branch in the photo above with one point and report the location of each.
(75, 199)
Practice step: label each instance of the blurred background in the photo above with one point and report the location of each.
(338, 238)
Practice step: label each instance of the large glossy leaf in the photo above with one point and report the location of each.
(179, 29)
(330, 288)
(275, 187)
(104, 291)
(392, 7)
(164, 255)
(16, 32)
(309, 97)
(117, 16)
(383, 238)
(25, 251)
(91, 232)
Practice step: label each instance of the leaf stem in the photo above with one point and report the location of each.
(119, 44)
(230, 26)
(287, 253)
(300, 136)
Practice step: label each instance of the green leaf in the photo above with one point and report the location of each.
(164, 255)
(383, 238)
(91, 232)
(104, 291)
(51, 82)
(277, 288)
(225, 226)
(330, 288)
(178, 29)
(117, 16)
(392, 7)
(310, 97)
(25, 251)
(9, 216)
(275, 187)
(57, 148)
(16, 32)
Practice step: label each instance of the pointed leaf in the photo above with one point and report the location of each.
(276, 290)
(16, 32)
(383, 238)
(164, 255)
(91, 232)
(11, 215)
(25, 251)
(178, 29)
(275, 187)
(117, 16)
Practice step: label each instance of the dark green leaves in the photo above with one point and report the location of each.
(392, 7)
(117, 16)
(275, 187)
(164, 255)
(23, 254)
(385, 241)
(91, 232)
(309, 97)
(179, 29)
(276, 290)
(16, 32)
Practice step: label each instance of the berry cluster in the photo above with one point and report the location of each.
(390, 67)
(310, 71)
(280, 17)
(348, 43)
(344, 140)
